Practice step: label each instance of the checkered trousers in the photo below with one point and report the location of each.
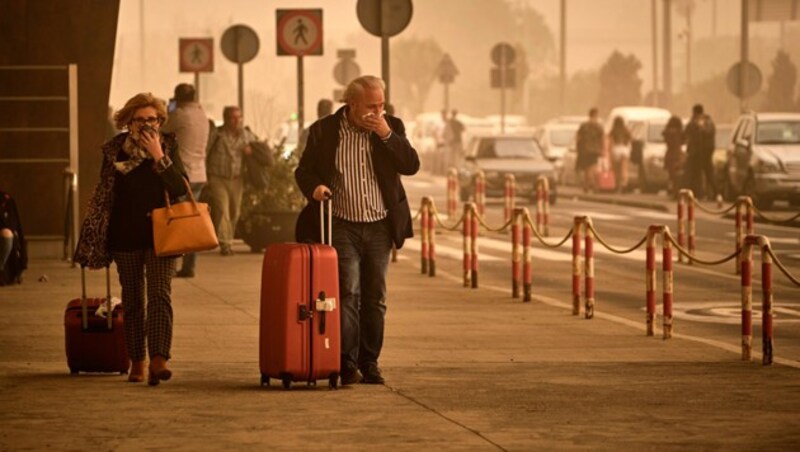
(134, 267)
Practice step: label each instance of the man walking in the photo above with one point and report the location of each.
(225, 183)
(589, 145)
(700, 134)
(190, 125)
(356, 156)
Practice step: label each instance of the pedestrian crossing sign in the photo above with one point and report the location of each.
(299, 32)
(196, 54)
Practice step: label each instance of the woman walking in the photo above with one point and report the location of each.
(139, 165)
(618, 143)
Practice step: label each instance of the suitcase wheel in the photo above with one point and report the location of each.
(286, 379)
(264, 380)
(333, 381)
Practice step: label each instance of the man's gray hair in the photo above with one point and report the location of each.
(356, 88)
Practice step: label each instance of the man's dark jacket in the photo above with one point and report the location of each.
(390, 160)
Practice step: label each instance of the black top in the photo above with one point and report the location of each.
(136, 194)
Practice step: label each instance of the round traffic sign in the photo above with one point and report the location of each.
(239, 44)
(503, 53)
(753, 84)
(345, 71)
(196, 54)
(398, 15)
(300, 32)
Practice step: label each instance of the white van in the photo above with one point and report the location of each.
(646, 125)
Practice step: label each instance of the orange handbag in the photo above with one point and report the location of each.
(183, 227)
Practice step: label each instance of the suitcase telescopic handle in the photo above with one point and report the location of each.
(326, 239)
(84, 301)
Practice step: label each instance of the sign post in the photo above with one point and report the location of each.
(240, 45)
(196, 55)
(384, 19)
(447, 72)
(503, 76)
(345, 70)
(299, 34)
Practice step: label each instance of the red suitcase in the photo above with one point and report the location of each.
(606, 179)
(299, 337)
(93, 343)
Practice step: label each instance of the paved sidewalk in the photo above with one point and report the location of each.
(465, 369)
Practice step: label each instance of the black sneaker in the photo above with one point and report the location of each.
(372, 375)
(350, 377)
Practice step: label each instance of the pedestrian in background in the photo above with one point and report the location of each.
(356, 156)
(674, 158)
(226, 149)
(589, 146)
(190, 125)
(139, 165)
(456, 140)
(699, 137)
(619, 147)
(324, 108)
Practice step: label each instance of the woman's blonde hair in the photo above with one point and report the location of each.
(124, 116)
(355, 89)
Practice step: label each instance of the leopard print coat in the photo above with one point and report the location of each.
(92, 250)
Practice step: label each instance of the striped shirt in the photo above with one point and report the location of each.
(356, 194)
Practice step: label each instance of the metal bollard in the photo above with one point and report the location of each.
(666, 269)
(452, 192)
(543, 206)
(527, 271)
(576, 265)
(474, 245)
(766, 301)
(431, 240)
(516, 253)
(480, 191)
(423, 226)
(743, 203)
(467, 234)
(589, 266)
(650, 263)
(509, 195)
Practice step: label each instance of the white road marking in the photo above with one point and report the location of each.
(730, 313)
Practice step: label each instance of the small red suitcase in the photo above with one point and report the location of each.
(93, 343)
(299, 338)
(606, 179)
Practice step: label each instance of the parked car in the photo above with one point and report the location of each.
(498, 155)
(555, 138)
(764, 159)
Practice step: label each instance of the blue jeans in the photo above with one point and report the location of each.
(363, 250)
(190, 258)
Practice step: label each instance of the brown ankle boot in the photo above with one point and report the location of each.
(136, 374)
(158, 370)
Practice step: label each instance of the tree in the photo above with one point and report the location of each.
(619, 82)
(414, 62)
(781, 83)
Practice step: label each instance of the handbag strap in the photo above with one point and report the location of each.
(188, 190)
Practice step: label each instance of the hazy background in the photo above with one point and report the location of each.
(146, 56)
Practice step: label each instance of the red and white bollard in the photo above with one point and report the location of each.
(509, 196)
(516, 252)
(527, 271)
(467, 236)
(543, 206)
(747, 298)
(650, 263)
(743, 218)
(666, 270)
(452, 192)
(480, 191)
(431, 238)
(474, 245)
(423, 233)
(576, 265)
(589, 268)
